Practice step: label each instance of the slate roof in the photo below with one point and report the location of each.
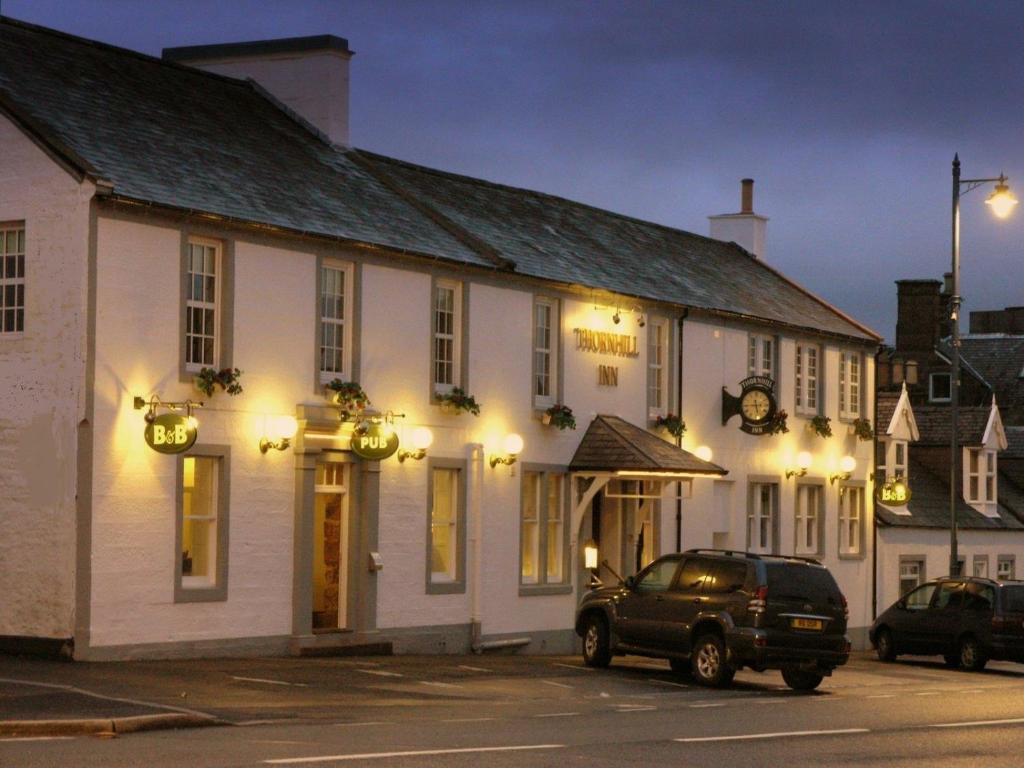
(1000, 359)
(934, 423)
(929, 504)
(885, 407)
(1015, 443)
(613, 444)
(166, 134)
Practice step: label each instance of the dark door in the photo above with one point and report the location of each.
(682, 603)
(640, 612)
(937, 627)
(905, 616)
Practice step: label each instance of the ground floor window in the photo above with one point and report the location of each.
(851, 516)
(543, 541)
(761, 517)
(1005, 570)
(446, 539)
(981, 566)
(911, 575)
(202, 525)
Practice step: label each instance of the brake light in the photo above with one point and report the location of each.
(759, 601)
(1002, 622)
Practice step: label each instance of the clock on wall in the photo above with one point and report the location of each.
(755, 405)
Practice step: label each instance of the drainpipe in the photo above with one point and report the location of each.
(874, 502)
(475, 457)
(679, 440)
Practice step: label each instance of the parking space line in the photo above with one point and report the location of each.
(881, 696)
(558, 714)
(439, 685)
(782, 735)
(37, 738)
(1010, 721)
(573, 666)
(369, 722)
(472, 669)
(414, 753)
(706, 706)
(379, 673)
(468, 720)
(557, 685)
(634, 708)
(268, 682)
(928, 693)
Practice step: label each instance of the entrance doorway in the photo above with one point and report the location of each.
(331, 546)
(627, 525)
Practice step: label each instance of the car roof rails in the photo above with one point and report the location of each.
(726, 552)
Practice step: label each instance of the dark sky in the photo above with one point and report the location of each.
(847, 114)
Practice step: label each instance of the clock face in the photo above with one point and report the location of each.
(755, 405)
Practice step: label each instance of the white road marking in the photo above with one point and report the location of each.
(414, 753)
(1011, 721)
(782, 735)
(928, 693)
(634, 708)
(557, 685)
(771, 701)
(37, 738)
(667, 682)
(472, 669)
(572, 666)
(379, 672)
(705, 706)
(559, 714)
(978, 690)
(468, 720)
(370, 722)
(439, 685)
(269, 682)
(882, 696)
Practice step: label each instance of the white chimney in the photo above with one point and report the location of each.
(746, 228)
(307, 74)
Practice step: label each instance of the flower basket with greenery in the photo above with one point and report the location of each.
(672, 424)
(778, 423)
(862, 429)
(457, 400)
(821, 426)
(209, 379)
(348, 394)
(560, 416)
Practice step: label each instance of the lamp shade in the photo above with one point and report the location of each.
(1002, 200)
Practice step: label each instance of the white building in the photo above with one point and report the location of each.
(156, 220)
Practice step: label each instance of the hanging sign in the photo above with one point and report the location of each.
(893, 493)
(374, 441)
(755, 405)
(171, 433)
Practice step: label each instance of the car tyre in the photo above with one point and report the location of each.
(681, 667)
(709, 663)
(802, 679)
(885, 646)
(596, 645)
(972, 657)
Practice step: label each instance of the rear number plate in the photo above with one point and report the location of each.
(815, 624)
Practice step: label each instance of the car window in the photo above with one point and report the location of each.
(804, 582)
(726, 577)
(693, 573)
(920, 598)
(1013, 599)
(950, 595)
(658, 576)
(979, 597)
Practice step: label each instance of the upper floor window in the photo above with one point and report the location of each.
(545, 352)
(446, 362)
(849, 385)
(808, 519)
(807, 378)
(939, 388)
(202, 304)
(980, 468)
(761, 355)
(12, 278)
(335, 321)
(657, 367)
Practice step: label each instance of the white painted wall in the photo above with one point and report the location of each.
(41, 392)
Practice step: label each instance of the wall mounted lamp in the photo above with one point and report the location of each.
(846, 466)
(703, 452)
(803, 463)
(422, 438)
(616, 318)
(283, 429)
(513, 447)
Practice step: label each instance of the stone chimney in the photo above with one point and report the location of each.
(746, 228)
(1009, 320)
(920, 316)
(307, 74)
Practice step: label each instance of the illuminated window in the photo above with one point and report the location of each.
(808, 519)
(761, 356)
(761, 518)
(807, 378)
(851, 516)
(202, 297)
(446, 544)
(12, 278)
(335, 321)
(555, 512)
(899, 460)
(545, 352)
(530, 558)
(849, 385)
(543, 540)
(202, 525)
(974, 475)
(447, 333)
(657, 367)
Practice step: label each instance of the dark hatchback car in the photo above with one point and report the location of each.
(712, 612)
(967, 620)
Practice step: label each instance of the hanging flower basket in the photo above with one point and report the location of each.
(209, 379)
(821, 426)
(349, 395)
(672, 424)
(457, 401)
(560, 417)
(778, 423)
(862, 429)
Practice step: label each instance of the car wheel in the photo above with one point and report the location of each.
(709, 663)
(596, 648)
(972, 658)
(681, 667)
(802, 679)
(884, 646)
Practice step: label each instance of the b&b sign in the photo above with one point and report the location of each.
(171, 433)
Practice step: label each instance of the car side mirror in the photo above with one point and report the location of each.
(902, 605)
(630, 582)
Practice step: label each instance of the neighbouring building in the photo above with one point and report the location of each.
(164, 227)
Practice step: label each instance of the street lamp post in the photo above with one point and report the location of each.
(1001, 202)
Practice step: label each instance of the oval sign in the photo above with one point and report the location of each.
(171, 433)
(377, 442)
(893, 493)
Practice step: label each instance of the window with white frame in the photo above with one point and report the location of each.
(335, 321)
(981, 566)
(1005, 567)
(445, 516)
(939, 388)
(990, 476)
(446, 326)
(543, 542)
(545, 352)
(761, 355)
(898, 469)
(974, 475)
(12, 278)
(808, 519)
(911, 575)
(202, 304)
(200, 522)
(761, 518)
(851, 516)
(657, 368)
(807, 378)
(849, 385)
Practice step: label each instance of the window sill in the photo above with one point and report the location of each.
(212, 594)
(531, 590)
(446, 588)
(852, 555)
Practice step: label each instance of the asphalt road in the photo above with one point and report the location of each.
(543, 711)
